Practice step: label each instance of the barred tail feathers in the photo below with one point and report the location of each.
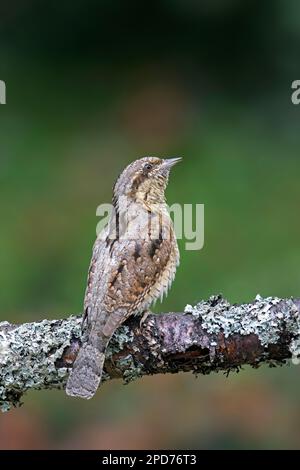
(85, 376)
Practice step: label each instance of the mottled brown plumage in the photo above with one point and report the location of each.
(133, 264)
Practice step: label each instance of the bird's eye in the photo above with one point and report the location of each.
(148, 167)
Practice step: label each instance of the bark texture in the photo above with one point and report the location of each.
(210, 336)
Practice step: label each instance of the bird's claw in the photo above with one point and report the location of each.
(143, 319)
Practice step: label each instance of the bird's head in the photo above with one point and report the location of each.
(145, 180)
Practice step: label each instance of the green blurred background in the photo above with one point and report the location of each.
(93, 85)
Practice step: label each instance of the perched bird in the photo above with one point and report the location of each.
(133, 264)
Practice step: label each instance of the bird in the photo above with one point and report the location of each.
(133, 264)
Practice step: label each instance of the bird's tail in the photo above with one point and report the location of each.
(85, 376)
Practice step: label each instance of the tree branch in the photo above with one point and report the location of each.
(211, 336)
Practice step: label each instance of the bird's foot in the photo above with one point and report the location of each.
(145, 315)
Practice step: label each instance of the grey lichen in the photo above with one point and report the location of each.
(266, 317)
(131, 370)
(121, 337)
(124, 337)
(38, 355)
(28, 354)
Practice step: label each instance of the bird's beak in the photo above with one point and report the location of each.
(169, 162)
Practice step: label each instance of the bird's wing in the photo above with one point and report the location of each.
(143, 274)
(126, 276)
(143, 270)
(96, 273)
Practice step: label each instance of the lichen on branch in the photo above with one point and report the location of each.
(210, 336)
